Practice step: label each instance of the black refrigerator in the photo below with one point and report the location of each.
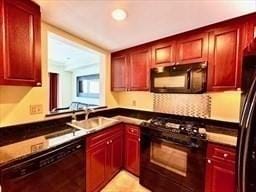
(246, 150)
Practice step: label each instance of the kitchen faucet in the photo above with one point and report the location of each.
(87, 112)
(74, 118)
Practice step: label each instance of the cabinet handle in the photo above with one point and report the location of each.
(225, 155)
(209, 161)
(38, 84)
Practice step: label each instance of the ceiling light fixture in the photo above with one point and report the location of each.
(119, 14)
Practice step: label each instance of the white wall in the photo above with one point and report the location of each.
(65, 84)
(87, 70)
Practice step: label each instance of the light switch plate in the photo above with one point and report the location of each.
(36, 109)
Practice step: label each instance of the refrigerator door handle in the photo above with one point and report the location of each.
(248, 98)
(245, 116)
(243, 158)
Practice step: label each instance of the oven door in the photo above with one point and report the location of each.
(168, 166)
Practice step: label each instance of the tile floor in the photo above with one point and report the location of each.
(124, 182)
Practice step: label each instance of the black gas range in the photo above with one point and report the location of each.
(187, 133)
(173, 155)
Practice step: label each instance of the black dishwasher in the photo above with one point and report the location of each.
(59, 170)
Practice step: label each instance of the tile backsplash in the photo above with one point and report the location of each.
(194, 105)
(224, 106)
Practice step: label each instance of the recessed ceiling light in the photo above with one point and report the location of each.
(119, 14)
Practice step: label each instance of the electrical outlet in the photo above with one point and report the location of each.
(36, 109)
(134, 103)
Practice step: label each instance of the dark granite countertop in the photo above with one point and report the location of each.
(27, 139)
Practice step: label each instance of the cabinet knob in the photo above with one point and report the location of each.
(209, 161)
(225, 155)
(139, 139)
(107, 142)
(110, 141)
(38, 84)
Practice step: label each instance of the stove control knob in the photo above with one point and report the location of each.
(202, 130)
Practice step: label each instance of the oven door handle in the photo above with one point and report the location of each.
(174, 143)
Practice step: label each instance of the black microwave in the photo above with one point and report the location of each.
(188, 78)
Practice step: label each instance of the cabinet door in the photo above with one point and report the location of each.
(225, 57)
(250, 29)
(119, 73)
(220, 176)
(140, 63)
(20, 43)
(96, 167)
(116, 154)
(163, 54)
(193, 48)
(132, 151)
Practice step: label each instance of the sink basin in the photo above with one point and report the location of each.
(93, 123)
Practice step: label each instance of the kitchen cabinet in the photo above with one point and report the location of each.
(132, 149)
(119, 67)
(130, 70)
(96, 167)
(115, 154)
(250, 29)
(192, 48)
(225, 58)
(221, 45)
(164, 54)
(20, 43)
(104, 157)
(220, 169)
(139, 66)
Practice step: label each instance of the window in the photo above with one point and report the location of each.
(88, 86)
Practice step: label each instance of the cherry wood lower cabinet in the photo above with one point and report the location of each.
(220, 169)
(104, 157)
(132, 149)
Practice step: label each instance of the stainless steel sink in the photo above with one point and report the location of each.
(93, 123)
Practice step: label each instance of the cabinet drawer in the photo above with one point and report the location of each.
(103, 136)
(132, 129)
(219, 152)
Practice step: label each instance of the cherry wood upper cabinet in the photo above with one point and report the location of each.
(20, 46)
(225, 57)
(139, 66)
(164, 54)
(192, 48)
(250, 28)
(119, 72)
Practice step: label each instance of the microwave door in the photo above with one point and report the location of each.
(171, 82)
